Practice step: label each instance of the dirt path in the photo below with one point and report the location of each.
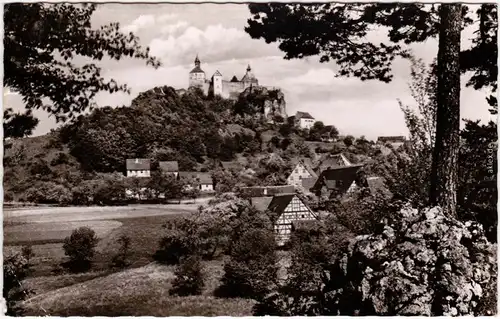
(69, 214)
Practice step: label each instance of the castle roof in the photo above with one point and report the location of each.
(217, 73)
(234, 79)
(249, 76)
(197, 69)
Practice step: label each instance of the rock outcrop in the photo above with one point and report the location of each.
(423, 263)
(269, 101)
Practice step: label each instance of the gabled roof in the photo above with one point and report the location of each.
(333, 161)
(264, 191)
(339, 179)
(169, 166)
(138, 164)
(217, 73)
(234, 79)
(197, 69)
(307, 163)
(280, 202)
(303, 115)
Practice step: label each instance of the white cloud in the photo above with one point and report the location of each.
(167, 17)
(142, 22)
(171, 29)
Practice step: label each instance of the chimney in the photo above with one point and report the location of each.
(137, 161)
(265, 191)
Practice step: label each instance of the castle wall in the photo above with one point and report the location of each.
(231, 89)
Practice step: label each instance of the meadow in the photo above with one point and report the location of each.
(139, 290)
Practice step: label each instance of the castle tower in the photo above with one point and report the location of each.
(249, 78)
(197, 75)
(217, 83)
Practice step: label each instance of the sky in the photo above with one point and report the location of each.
(176, 33)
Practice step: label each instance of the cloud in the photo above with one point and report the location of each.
(167, 17)
(142, 22)
(213, 43)
(171, 29)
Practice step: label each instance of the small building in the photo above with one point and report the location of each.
(203, 181)
(395, 141)
(304, 120)
(169, 167)
(303, 169)
(138, 167)
(333, 161)
(288, 209)
(336, 181)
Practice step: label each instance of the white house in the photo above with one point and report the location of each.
(304, 120)
(203, 181)
(138, 167)
(169, 167)
(302, 170)
(290, 209)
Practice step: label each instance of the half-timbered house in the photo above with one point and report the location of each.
(332, 161)
(138, 167)
(287, 209)
(302, 170)
(336, 181)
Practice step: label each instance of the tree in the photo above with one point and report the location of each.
(444, 178)
(40, 47)
(349, 140)
(80, 247)
(338, 32)
(15, 270)
(189, 277)
(121, 259)
(17, 124)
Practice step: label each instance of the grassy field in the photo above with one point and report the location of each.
(140, 290)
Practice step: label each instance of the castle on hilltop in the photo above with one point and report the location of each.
(218, 86)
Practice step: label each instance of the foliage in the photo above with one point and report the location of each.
(80, 247)
(349, 140)
(189, 277)
(121, 259)
(252, 269)
(39, 50)
(15, 270)
(49, 193)
(27, 253)
(179, 242)
(18, 125)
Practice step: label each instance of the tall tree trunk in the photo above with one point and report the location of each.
(445, 157)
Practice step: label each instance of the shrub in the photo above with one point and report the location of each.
(176, 244)
(80, 247)
(61, 158)
(49, 193)
(27, 253)
(121, 259)
(189, 277)
(15, 269)
(252, 268)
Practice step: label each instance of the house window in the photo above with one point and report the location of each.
(302, 216)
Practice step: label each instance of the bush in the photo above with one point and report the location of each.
(80, 248)
(15, 269)
(121, 259)
(49, 193)
(176, 244)
(189, 277)
(252, 269)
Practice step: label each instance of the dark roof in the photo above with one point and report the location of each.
(263, 191)
(261, 203)
(234, 79)
(333, 161)
(197, 69)
(217, 73)
(202, 178)
(169, 166)
(138, 164)
(280, 202)
(308, 183)
(391, 139)
(340, 178)
(303, 115)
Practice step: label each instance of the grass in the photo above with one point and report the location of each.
(141, 291)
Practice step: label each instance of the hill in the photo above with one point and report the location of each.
(196, 130)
